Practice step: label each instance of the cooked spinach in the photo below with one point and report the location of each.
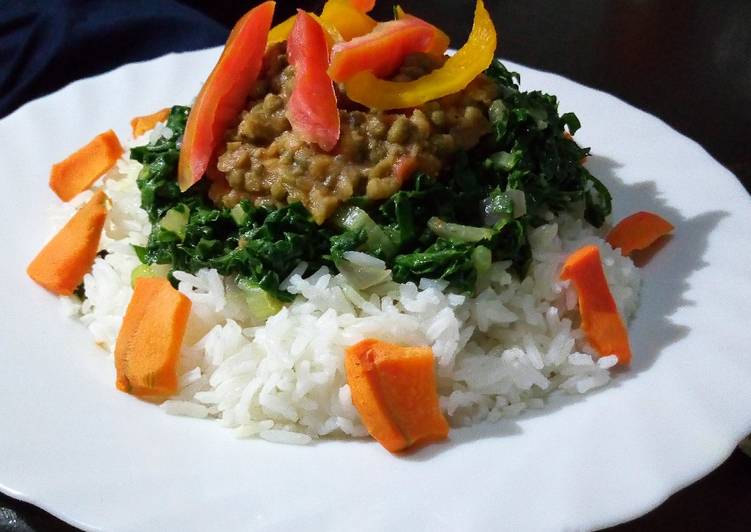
(531, 151)
(264, 249)
(444, 228)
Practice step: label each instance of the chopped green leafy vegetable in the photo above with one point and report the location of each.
(449, 228)
(258, 244)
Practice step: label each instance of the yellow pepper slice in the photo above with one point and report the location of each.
(455, 74)
(348, 20)
(280, 32)
(340, 19)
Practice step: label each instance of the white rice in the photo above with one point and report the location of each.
(505, 350)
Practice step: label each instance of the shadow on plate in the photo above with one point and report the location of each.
(665, 272)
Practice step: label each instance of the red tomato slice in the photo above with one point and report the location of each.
(382, 50)
(363, 5)
(312, 110)
(223, 95)
(440, 39)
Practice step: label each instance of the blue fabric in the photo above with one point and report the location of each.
(46, 44)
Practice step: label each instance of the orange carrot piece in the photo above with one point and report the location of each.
(148, 345)
(142, 124)
(638, 231)
(394, 390)
(312, 109)
(63, 262)
(223, 95)
(407, 381)
(600, 319)
(79, 170)
(362, 377)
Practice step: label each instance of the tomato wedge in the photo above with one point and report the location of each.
(382, 50)
(440, 39)
(223, 95)
(312, 110)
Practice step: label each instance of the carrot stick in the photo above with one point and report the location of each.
(63, 262)
(142, 124)
(79, 170)
(148, 345)
(638, 231)
(394, 390)
(600, 320)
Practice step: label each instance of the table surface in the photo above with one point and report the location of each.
(687, 62)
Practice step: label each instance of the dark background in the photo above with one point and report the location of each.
(685, 61)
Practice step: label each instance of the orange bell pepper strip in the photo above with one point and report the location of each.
(440, 39)
(148, 344)
(638, 231)
(312, 110)
(63, 262)
(394, 391)
(79, 170)
(223, 95)
(381, 51)
(600, 320)
(455, 74)
(142, 124)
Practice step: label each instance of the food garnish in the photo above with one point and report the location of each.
(148, 345)
(638, 231)
(63, 262)
(312, 110)
(455, 74)
(440, 39)
(394, 390)
(347, 17)
(342, 20)
(224, 93)
(600, 319)
(79, 170)
(365, 6)
(382, 51)
(141, 124)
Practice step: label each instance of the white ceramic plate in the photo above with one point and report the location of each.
(101, 459)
